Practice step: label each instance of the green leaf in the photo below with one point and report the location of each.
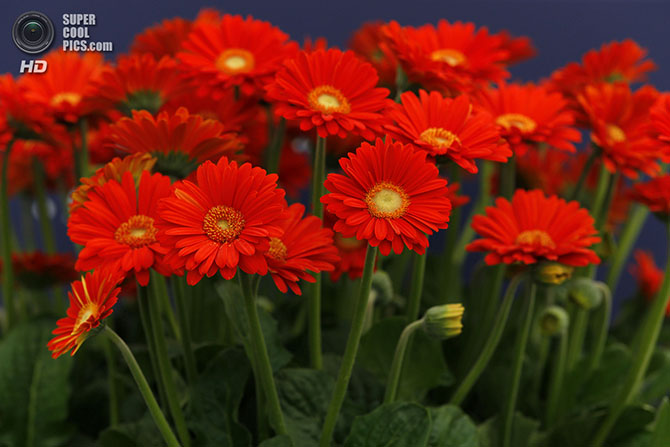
(425, 367)
(142, 433)
(633, 420)
(657, 382)
(452, 428)
(523, 431)
(304, 395)
(661, 435)
(215, 400)
(602, 385)
(277, 441)
(400, 424)
(34, 388)
(233, 300)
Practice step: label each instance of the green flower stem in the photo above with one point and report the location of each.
(114, 418)
(543, 355)
(508, 178)
(185, 329)
(399, 360)
(276, 139)
(519, 352)
(416, 289)
(165, 305)
(450, 279)
(143, 305)
(604, 180)
(586, 169)
(629, 235)
(647, 338)
(578, 326)
(42, 208)
(164, 366)
(603, 315)
(351, 349)
(261, 359)
(6, 242)
(141, 381)
(27, 226)
(491, 343)
(556, 381)
(314, 298)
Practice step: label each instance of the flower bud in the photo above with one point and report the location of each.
(444, 321)
(553, 273)
(585, 293)
(554, 320)
(383, 286)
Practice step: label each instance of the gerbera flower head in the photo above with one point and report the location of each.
(222, 221)
(619, 121)
(234, 52)
(370, 44)
(655, 194)
(333, 91)
(117, 226)
(389, 195)
(114, 170)
(649, 277)
(304, 247)
(179, 140)
(137, 82)
(452, 57)
(614, 62)
(447, 127)
(62, 89)
(351, 252)
(54, 158)
(91, 301)
(518, 48)
(533, 228)
(527, 115)
(167, 37)
(660, 118)
(455, 198)
(38, 270)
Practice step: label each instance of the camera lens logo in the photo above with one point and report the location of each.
(33, 32)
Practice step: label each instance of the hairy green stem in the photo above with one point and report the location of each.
(113, 389)
(416, 289)
(351, 349)
(586, 169)
(145, 390)
(556, 381)
(603, 316)
(629, 235)
(398, 361)
(178, 284)
(508, 178)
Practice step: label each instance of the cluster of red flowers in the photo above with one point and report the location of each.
(197, 106)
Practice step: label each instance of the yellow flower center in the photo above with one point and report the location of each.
(137, 231)
(535, 237)
(89, 311)
(439, 137)
(521, 122)
(277, 249)
(615, 133)
(61, 98)
(386, 200)
(235, 60)
(223, 223)
(328, 99)
(448, 55)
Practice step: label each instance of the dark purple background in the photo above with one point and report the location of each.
(561, 31)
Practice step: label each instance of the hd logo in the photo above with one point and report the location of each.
(33, 66)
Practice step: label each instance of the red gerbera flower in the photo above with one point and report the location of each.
(619, 120)
(136, 164)
(64, 86)
(528, 114)
(446, 126)
(518, 48)
(137, 82)
(116, 226)
(54, 158)
(235, 52)
(91, 301)
(660, 118)
(38, 270)
(655, 194)
(452, 57)
(649, 276)
(304, 247)
(223, 221)
(166, 38)
(454, 197)
(332, 91)
(351, 252)
(369, 43)
(534, 227)
(179, 140)
(614, 62)
(390, 196)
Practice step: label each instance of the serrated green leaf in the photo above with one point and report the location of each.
(452, 428)
(34, 388)
(400, 424)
